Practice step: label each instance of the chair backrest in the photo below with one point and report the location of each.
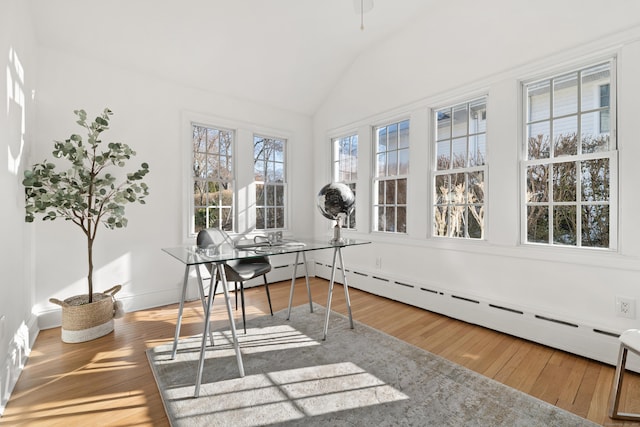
(212, 237)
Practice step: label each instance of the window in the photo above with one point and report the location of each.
(345, 167)
(460, 172)
(390, 180)
(212, 178)
(270, 180)
(569, 158)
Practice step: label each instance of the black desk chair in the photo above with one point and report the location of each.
(237, 271)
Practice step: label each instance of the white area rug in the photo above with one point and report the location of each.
(357, 377)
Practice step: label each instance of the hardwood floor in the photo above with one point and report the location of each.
(108, 382)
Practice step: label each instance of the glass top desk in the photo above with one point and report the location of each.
(193, 256)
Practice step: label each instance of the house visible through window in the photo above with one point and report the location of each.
(570, 154)
(270, 180)
(390, 180)
(460, 173)
(212, 173)
(345, 167)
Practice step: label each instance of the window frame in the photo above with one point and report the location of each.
(284, 184)
(465, 170)
(611, 155)
(336, 160)
(397, 178)
(191, 226)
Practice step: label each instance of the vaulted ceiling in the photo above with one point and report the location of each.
(282, 53)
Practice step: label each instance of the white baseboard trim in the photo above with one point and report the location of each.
(16, 357)
(550, 329)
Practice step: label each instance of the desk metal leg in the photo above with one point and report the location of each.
(179, 322)
(337, 251)
(346, 287)
(225, 288)
(293, 282)
(202, 298)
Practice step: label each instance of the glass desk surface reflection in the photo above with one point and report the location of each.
(193, 256)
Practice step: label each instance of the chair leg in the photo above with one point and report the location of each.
(244, 319)
(235, 291)
(266, 286)
(614, 403)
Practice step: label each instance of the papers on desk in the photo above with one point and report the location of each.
(267, 247)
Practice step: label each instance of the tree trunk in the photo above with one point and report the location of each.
(90, 275)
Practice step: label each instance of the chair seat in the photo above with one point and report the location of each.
(631, 339)
(241, 272)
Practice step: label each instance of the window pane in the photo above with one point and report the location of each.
(475, 220)
(459, 152)
(460, 120)
(442, 189)
(403, 162)
(444, 124)
(390, 198)
(381, 187)
(392, 137)
(279, 220)
(382, 164)
(382, 139)
(595, 181)
(565, 133)
(226, 220)
(565, 95)
(538, 141)
(402, 192)
(458, 188)
(260, 212)
(477, 150)
(381, 218)
(478, 116)
(200, 219)
(539, 99)
(564, 225)
(456, 221)
(538, 224)
(260, 194)
(595, 226)
(443, 149)
(476, 187)
(440, 222)
(595, 87)
(392, 163)
(404, 135)
(402, 219)
(564, 182)
(595, 131)
(271, 198)
(390, 219)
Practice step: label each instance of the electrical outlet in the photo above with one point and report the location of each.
(378, 262)
(626, 307)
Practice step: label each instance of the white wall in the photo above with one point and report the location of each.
(451, 57)
(148, 115)
(18, 72)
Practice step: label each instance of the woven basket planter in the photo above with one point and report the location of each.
(82, 321)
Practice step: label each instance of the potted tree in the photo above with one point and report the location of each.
(86, 194)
